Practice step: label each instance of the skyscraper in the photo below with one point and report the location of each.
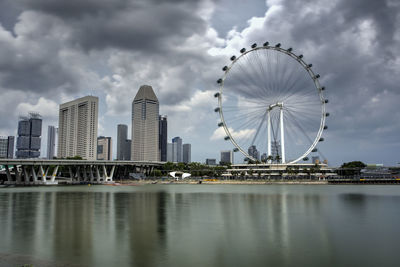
(3, 147)
(187, 153)
(145, 125)
(10, 149)
(77, 128)
(127, 149)
(29, 132)
(172, 152)
(163, 137)
(51, 141)
(6, 147)
(178, 152)
(122, 136)
(104, 148)
(227, 156)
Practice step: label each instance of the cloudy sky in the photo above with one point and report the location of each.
(52, 51)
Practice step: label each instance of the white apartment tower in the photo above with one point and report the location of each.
(145, 125)
(77, 128)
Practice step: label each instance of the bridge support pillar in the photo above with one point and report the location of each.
(9, 178)
(53, 176)
(34, 173)
(98, 174)
(26, 173)
(91, 173)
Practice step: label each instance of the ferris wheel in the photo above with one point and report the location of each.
(271, 105)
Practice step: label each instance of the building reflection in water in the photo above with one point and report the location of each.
(191, 226)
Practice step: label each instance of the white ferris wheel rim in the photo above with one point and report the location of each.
(312, 75)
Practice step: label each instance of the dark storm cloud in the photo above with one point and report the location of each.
(143, 25)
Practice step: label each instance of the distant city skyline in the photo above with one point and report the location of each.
(182, 60)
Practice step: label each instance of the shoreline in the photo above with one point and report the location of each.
(221, 182)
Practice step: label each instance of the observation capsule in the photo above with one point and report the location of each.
(220, 124)
(219, 81)
(242, 50)
(321, 139)
(266, 44)
(216, 95)
(246, 159)
(326, 101)
(327, 114)
(322, 88)
(317, 76)
(233, 58)
(309, 65)
(236, 149)
(254, 45)
(217, 109)
(225, 68)
(305, 158)
(290, 49)
(325, 127)
(227, 138)
(278, 45)
(300, 56)
(314, 150)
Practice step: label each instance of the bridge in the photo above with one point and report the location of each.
(46, 172)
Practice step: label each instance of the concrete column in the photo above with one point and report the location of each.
(53, 176)
(42, 173)
(34, 174)
(46, 172)
(105, 176)
(98, 174)
(9, 178)
(18, 174)
(71, 174)
(111, 173)
(85, 177)
(26, 173)
(91, 173)
(78, 173)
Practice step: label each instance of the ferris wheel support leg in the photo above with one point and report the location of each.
(282, 136)
(269, 136)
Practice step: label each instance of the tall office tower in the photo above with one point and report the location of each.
(10, 148)
(187, 153)
(163, 137)
(77, 128)
(253, 152)
(227, 156)
(178, 152)
(127, 149)
(104, 148)
(122, 136)
(145, 112)
(51, 141)
(172, 151)
(29, 132)
(3, 147)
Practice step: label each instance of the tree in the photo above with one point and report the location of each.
(351, 168)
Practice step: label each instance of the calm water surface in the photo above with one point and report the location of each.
(201, 225)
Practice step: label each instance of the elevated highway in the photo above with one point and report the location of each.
(43, 171)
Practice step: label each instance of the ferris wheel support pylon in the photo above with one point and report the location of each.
(282, 136)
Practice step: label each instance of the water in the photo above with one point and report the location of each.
(201, 225)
